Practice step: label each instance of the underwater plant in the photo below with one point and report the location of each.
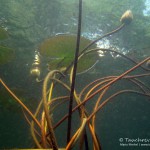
(6, 53)
(3, 34)
(60, 51)
(41, 121)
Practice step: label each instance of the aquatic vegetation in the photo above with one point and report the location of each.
(8, 103)
(60, 49)
(41, 121)
(127, 17)
(35, 70)
(6, 53)
(3, 34)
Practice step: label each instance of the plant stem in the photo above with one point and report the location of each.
(74, 71)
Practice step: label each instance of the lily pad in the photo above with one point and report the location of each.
(3, 34)
(60, 51)
(6, 54)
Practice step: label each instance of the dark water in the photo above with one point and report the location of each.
(123, 121)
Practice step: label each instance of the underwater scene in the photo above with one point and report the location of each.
(75, 74)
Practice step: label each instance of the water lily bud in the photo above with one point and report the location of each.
(127, 17)
(35, 72)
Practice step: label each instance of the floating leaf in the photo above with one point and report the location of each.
(3, 34)
(60, 51)
(6, 54)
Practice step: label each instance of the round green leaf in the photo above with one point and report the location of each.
(60, 51)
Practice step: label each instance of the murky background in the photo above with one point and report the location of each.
(30, 22)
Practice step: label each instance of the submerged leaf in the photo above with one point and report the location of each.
(3, 34)
(6, 54)
(61, 49)
(7, 102)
